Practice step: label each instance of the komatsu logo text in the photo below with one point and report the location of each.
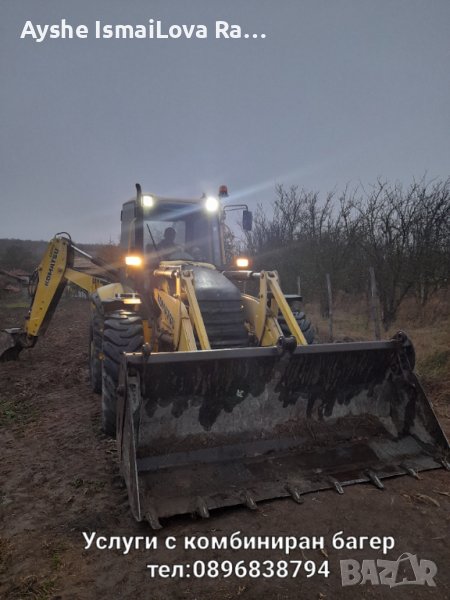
(166, 311)
(52, 266)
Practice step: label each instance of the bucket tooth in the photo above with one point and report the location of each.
(444, 462)
(375, 479)
(337, 486)
(202, 508)
(296, 495)
(410, 471)
(153, 520)
(249, 500)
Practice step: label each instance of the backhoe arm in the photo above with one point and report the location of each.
(53, 273)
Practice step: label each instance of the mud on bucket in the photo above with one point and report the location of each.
(216, 428)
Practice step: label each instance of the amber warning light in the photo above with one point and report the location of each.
(223, 191)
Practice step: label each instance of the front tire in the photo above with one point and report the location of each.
(303, 322)
(122, 333)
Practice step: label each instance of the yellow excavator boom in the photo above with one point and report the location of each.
(51, 277)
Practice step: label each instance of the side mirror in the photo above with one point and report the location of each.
(247, 220)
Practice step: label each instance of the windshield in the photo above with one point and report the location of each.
(182, 232)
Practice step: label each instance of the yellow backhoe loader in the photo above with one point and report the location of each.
(218, 397)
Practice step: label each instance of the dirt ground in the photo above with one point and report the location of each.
(60, 478)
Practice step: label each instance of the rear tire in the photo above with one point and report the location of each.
(303, 322)
(95, 351)
(122, 333)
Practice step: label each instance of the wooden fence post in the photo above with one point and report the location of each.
(374, 304)
(330, 308)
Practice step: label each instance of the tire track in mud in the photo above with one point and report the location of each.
(56, 464)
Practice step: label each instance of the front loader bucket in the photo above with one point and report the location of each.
(203, 430)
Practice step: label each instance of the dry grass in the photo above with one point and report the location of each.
(428, 328)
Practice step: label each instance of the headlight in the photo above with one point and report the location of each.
(242, 262)
(148, 201)
(133, 261)
(211, 204)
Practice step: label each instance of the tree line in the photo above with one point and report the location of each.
(402, 232)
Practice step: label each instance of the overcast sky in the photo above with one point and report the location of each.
(339, 91)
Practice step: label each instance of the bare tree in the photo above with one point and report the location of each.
(403, 233)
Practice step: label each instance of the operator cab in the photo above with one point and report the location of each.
(172, 229)
(183, 231)
(156, 229)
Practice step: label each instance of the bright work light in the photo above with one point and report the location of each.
(211, 204)
(148, 201)
(133, 261)
(242, 262)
